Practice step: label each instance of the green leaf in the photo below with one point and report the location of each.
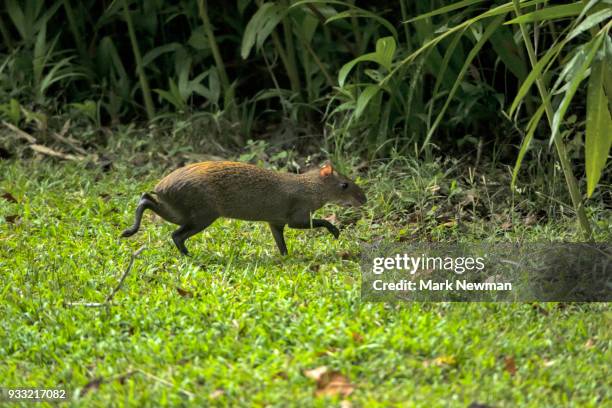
(356, 12)
(598, 139)
(590, 22)
(385, 49)
(575, 78)
(550, 13)
(260, 26)
(445, 9)
(531, 128)
(507, 50)
(534, 74)
(157, 51)
(362, 102)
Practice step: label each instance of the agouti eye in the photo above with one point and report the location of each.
(344, 186)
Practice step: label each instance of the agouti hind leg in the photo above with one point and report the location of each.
(185, 232)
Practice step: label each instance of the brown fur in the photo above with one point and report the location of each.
(195, 195)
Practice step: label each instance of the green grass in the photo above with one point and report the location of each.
(249, 322)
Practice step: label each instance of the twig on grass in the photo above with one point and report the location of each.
(109, 298)
(125, 274)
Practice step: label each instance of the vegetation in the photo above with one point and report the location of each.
(238, 325)
(467, 120)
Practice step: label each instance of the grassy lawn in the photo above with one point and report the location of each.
(238, 325)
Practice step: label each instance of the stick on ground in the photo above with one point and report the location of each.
(110, 297)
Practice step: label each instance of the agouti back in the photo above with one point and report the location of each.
(196, 195)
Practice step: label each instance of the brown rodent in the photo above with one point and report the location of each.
(196, 195)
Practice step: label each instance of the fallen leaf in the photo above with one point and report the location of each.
(345, 404)
(441, 361)
(9, 197)
(590, 343)
(12, 219)
(216, 393)
(510, 365)
(20, 133)
(357, 337)
(53, 153)
(317, 373)
(506, 226)
(184, 293)
(338, 385)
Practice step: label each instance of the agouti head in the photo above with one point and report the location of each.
(339, 188)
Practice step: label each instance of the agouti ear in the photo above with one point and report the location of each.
(326, 170)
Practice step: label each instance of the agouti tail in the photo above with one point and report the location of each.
(196, 195)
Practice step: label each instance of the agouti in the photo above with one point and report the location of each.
(196, 195)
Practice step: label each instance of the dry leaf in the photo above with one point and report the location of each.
(510, 365)
(357, 337)
(53, 153)
(441, 361)
(345, 404)
(506, 226)
(184, 293)
(337, 385)
(329, 383)
(20, 133)
(316, 373)
(590, 343)
(9, 197)
(216, 394)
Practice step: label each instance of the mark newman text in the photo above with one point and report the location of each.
(423, 285)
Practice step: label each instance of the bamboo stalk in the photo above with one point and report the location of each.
(566, 167)
(144, 83)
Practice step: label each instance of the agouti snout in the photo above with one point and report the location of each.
(196, 195)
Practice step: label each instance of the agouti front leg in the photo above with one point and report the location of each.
(277, 233)
(317, 223)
